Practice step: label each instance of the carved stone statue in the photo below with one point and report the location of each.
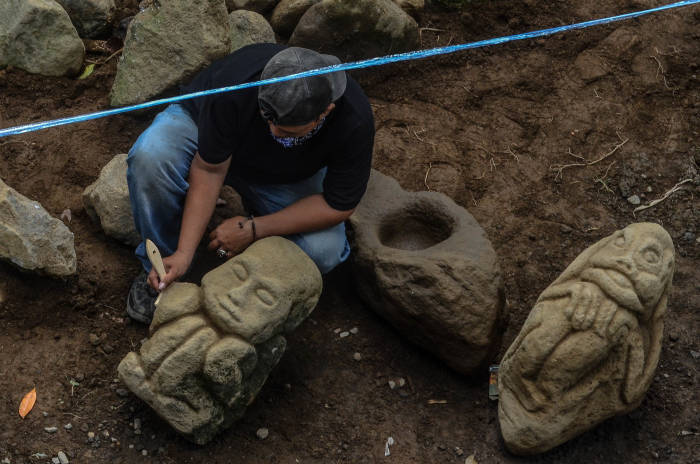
(590, 346)
(211, 348)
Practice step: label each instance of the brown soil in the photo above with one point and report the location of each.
(486, 127)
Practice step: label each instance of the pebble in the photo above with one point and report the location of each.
(55, 461)
(50, 429)
(68, 426)
(91, 436)
(458, 451)
(5, 461)
(45, 414)
(84, 428)
(144, 452)
(131, 446)
(137, 423)
(402, 382)
(107, 348)
(344, 334)
(122, 392)
(634, 199)
(649, 189)
(62, 457)
(262, 433)
(337, 330)
(357, 357)
(392, 384)
(695, 354)
(354, 330)
(40, 455)
(689, 236)
(94, 339)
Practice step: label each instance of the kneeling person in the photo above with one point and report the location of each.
(298, 152)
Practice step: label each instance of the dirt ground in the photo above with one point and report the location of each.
(487, 127)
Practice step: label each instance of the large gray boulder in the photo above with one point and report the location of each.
(90, 17)
(357, 29)
(589, 349)
(211, 349)
(32, 239)
(423, 263)
(412, 7)
(37, 36)
(259, 6)
(287, 14)
(107, 202)
(248, 27)
(168, 43)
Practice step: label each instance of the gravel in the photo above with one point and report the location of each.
(50, 429)
(62, 457)
(634, 199)
(262, 433)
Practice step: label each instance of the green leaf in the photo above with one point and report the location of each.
(88, 70)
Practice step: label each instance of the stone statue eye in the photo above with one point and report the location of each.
(265, 296)
(651, 255)
(620, 240)
(240, 271)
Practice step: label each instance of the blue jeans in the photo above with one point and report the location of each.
(158, 168)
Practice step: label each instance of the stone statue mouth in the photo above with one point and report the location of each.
(619, 278)
(616, 285)
(230, 308)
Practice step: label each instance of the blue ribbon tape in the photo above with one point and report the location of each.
(341, 67)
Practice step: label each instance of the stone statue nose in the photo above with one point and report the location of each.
(625, 263)
(237, 294)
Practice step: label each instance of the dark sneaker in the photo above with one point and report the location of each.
(140, 304)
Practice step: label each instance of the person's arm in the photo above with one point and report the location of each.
(205, 181)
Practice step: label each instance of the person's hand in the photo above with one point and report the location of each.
(233, 235)
(175, 267)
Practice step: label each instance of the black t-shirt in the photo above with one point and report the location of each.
(230, 125)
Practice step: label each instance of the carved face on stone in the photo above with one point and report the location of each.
(252, 294)
(634, 267)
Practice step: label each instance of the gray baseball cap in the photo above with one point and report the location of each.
(299, 101)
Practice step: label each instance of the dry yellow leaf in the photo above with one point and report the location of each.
(27, 403)
(470, 460)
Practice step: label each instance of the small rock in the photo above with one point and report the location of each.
(695, 354)
(50, 429)
(106, 434)
(55, 461)
(131, 446)
(442, 447)
(401, 382)
(262, 433)
(122, 392)
(459, 451)
(344, 334)
(649, 189)
(689, 236)
(84, 428)
(634, 200)
(68, 426)
(94, 339)
(357, 357)
(40, 455)
(354, 330)
(566, 229)
(337, 330)
(91, 436)
(80, 377)
(62, 457)
(392, 384)
(5, 461)
(137, 423)
(144, 452)
(107, 348)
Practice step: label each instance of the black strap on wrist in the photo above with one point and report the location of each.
(252, 226)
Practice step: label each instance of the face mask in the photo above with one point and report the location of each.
(289, 142)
